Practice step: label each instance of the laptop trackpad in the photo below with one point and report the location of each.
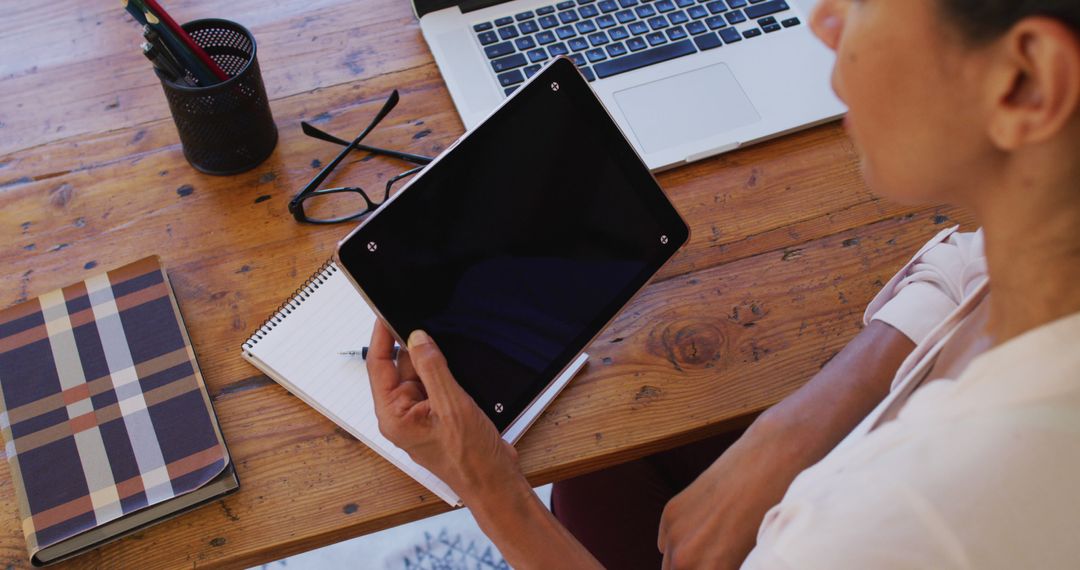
(687, 107)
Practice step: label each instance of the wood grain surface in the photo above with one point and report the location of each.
(788, 246)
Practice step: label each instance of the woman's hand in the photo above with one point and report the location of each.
(713, 523)
(423, 410)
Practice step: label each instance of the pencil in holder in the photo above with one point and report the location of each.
(225, 128)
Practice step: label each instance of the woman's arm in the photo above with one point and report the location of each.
(714, 522)
(423, 410)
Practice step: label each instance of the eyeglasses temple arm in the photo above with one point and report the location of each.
(315, 182)
(315, 132)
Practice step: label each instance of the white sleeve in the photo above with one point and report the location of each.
(993, 491)
(932, 285)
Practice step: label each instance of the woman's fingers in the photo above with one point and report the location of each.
(430, 365)
(380, 364)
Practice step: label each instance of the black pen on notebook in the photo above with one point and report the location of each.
(362, 353)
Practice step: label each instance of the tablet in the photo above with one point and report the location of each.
(518, 245)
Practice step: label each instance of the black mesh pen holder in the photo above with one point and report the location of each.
(224, 128)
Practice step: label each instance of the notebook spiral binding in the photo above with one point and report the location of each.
(301, 294)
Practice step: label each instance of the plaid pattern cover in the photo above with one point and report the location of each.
(104, 411)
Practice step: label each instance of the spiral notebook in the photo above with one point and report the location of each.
(298, 347)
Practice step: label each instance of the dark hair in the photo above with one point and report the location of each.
(984, 20)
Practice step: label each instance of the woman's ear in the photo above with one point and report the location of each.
(1035, 83)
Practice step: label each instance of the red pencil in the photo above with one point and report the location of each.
(184, 37)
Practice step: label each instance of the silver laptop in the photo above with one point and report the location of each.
(684, 79)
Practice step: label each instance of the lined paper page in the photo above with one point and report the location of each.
(301, 353)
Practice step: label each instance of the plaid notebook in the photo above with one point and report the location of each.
(104, 411)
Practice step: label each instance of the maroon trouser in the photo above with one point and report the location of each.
(616, 512)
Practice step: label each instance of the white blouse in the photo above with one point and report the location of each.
(981, 466)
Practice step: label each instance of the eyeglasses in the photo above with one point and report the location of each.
(346, 198)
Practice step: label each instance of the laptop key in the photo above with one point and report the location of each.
(664, 6)
(545, 10)
(735, 17)
(684, 3)
(544, 38)
(548, 22)
(676, 33)
(696, 28)
(499, 50)
(697, 12)
(537, 55)
(487, 38)
(771, 28)
(638, 28)
(677, 18)
(578, 59)
(628, 3)
(508, 32)
(615, 50)
(528, 27)
(507, 63)
(568, 17)
(618, 34)
(751, 33)
(605, 22)
(708, 41)
(715, 22)
(595, 55)
(565, 5)
(736, 3)
(656, 38)
(530, 71)
(625, 16)
(766, 9)
(644, 58)
(645, 11)
(598, 39)
(790, 22)
(730, 35)
(523, 16)
(524, 43)
(510, 78)
(586, 27)
(510, 90)
(504, 21)
(588, 11)
(716, 7)
(636, 44)
(557, 49)
(588, 73)
(565, 32)
(482, 27)
(578, 44)
(608, 6)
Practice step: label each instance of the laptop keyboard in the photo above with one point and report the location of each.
(609, 37)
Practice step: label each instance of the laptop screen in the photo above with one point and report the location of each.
(514, 249)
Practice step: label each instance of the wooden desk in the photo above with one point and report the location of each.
(788, 247)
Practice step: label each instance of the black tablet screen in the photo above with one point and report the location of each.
(515, 248)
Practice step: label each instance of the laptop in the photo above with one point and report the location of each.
(685, 79)
(513, 269)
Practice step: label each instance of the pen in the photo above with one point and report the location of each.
(164, 64)
(186, 39)
(362, 353)
(187, 60)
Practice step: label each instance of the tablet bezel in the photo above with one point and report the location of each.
(564, 73)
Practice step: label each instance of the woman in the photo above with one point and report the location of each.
(947, 434)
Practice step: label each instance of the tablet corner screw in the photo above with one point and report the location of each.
(372, 246)
(663, 239)
(498, 408)
(554, 85)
